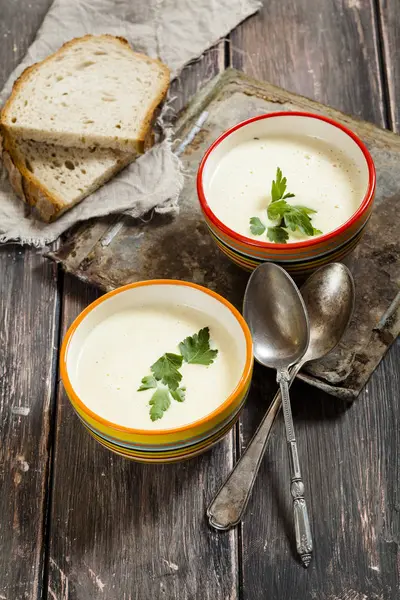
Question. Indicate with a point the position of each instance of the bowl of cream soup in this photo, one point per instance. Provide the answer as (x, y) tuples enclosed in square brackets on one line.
[(158, 371), (293, 188)]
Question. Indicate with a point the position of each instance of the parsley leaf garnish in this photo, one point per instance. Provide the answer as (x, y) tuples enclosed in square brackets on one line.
[(295, 218), (277, 234), (179, 394), (165, 369), (159, 403), (257, 227), (289, 216), (148, 382), (278, 187), (277, 209), (166, 376), (308, 211), (196, 349)]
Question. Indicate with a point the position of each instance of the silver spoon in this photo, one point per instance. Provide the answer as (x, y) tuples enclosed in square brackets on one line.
[(277, 317), (329, 297)]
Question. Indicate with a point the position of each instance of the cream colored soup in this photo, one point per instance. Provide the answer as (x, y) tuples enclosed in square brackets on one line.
[(321, 177), (119, 351)]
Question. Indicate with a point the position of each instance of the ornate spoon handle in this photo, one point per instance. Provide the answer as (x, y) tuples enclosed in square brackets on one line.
[(301, 522), (228, 506)]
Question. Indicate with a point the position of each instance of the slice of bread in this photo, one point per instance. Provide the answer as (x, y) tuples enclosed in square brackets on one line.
[(52, 179), (94, 91)]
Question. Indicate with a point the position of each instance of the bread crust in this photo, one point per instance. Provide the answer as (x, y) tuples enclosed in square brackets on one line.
[(147, 121), (46, 205), (25, 184)]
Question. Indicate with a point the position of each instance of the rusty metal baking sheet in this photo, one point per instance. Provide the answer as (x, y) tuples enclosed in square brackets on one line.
[(115, 251)]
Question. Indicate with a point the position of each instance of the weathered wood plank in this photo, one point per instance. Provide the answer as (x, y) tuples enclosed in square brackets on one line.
[(28, 317), (19, 23), (195, 76), (125, 531), (389, 24), (28, 336), (327, 51), (324, 50)]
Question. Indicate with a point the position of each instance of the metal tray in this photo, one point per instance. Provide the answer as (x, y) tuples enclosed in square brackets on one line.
[(114, 251)]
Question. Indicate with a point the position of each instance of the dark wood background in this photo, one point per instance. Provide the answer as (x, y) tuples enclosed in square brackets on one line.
[(77, 523)]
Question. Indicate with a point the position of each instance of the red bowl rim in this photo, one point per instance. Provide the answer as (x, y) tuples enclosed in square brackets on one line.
[(368, 198)]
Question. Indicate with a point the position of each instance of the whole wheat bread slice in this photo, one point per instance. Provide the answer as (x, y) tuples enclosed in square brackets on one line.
[(52, 179), (94, 91)]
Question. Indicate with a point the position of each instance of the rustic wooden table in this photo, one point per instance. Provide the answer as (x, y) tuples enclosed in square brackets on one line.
[(77, 523)]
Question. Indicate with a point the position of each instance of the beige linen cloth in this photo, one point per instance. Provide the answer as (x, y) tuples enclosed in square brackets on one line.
[(176, 31)]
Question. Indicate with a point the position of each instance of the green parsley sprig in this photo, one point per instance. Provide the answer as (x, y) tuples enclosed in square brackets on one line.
[(289, 217), (195, 350), (166, 377)]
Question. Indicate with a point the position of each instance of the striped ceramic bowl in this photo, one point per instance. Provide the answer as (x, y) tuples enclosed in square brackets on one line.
[(303, 257), (159, 445)]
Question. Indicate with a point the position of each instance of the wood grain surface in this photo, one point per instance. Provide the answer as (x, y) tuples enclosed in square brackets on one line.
[(122, 531), (327, 51), (28, 342), (388, 18)]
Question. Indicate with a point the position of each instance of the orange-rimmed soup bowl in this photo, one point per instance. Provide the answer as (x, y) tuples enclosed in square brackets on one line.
[(318, 155), (110, 347)]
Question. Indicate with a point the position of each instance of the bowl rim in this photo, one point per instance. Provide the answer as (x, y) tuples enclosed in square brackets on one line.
[(246, 371), (368, 197)]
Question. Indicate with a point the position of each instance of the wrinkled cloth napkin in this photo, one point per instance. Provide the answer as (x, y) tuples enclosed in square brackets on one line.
[(176, 31)]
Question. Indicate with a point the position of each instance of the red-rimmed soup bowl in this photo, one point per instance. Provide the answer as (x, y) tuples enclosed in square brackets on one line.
[(327, 167)]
